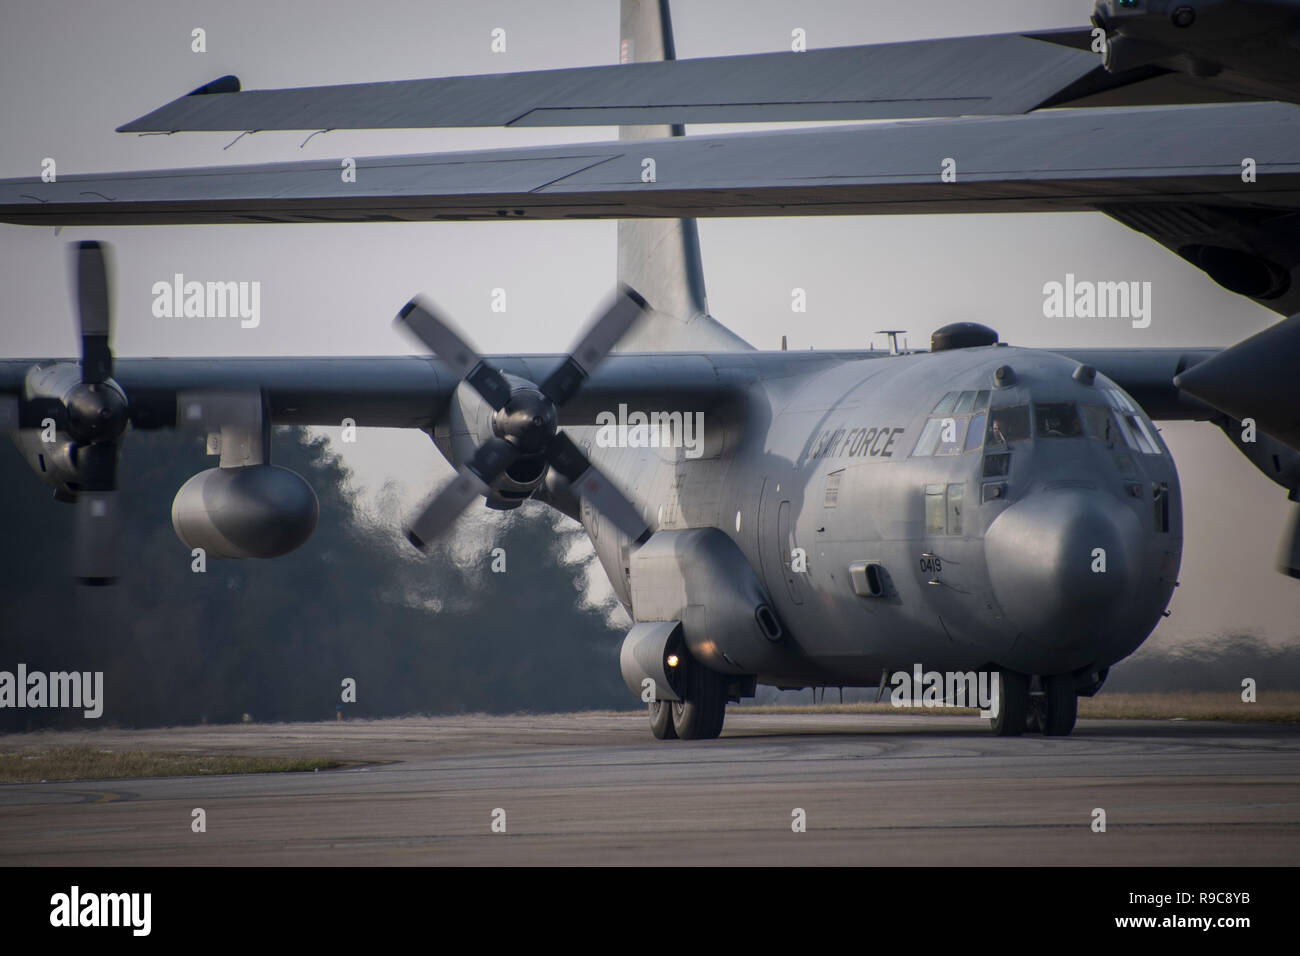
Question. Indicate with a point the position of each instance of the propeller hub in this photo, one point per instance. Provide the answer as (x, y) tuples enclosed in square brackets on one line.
[(96, 412), (527, 420)]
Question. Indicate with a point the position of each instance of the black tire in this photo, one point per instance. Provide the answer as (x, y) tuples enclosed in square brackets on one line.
[(1062, 706), (1013, 705), (701, 714), (1036, 715), (661, 720)]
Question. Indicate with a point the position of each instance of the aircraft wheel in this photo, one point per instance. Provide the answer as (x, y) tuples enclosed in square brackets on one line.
[(700, 715), (1062, 705), (661, 720), (1013, 705), (1036, 714)]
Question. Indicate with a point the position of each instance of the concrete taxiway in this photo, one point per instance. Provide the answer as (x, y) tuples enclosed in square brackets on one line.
[(595, 788)]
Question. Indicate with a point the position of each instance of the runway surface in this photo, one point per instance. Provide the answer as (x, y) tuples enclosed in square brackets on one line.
[(595, 788)]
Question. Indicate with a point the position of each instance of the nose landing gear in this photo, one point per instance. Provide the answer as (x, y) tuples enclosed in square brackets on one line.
[(1056, 707), (1048, 705), (1013, 704)]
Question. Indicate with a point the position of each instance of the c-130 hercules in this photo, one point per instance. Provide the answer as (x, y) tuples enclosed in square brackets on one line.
[(973, 507)]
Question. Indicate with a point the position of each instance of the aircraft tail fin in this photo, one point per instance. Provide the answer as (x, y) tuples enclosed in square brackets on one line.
[(660, 258)]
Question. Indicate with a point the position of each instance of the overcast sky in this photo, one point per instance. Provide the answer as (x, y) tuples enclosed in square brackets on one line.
[(70, 72)]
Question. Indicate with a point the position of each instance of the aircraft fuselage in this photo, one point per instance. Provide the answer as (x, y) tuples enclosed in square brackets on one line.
[(1031, 523)]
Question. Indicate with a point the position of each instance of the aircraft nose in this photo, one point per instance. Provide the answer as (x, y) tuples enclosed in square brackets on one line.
[(1065, 567)]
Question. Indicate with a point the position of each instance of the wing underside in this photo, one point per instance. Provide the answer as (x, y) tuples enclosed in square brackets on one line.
[(1173, 173), (983, 75)]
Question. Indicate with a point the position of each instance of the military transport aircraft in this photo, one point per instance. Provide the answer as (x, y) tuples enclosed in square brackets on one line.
[(836, 514)]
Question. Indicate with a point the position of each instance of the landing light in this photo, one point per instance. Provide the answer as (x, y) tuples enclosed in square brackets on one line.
[(672, 660)]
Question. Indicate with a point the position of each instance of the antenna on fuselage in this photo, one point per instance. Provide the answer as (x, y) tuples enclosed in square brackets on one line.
[(893, 339)]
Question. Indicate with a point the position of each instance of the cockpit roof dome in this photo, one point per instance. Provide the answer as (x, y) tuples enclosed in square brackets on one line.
[(962, 335)]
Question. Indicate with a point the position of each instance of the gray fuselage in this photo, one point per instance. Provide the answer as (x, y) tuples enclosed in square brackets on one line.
[(1034, 526)]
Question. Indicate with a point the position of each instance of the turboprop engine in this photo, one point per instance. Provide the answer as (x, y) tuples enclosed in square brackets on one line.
[(527, 416)]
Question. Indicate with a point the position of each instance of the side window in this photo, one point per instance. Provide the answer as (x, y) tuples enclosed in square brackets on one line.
[(935, 510), (1007, 425), (1160, 498), (954, 508), (943, 508)]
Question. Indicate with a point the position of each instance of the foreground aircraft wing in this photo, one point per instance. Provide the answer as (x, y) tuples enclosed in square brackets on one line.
[(1173, 173), (984, 75), (1007, 73)]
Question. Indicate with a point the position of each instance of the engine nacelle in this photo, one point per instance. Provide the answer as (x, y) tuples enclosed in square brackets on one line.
[(646, 654), (470, 425), (55, 463), (257, 511)]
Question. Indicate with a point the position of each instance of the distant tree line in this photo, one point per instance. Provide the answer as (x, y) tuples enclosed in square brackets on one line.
[(276, 639)]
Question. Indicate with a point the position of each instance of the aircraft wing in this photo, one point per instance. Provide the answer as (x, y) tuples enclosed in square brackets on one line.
[(1173, 173), (413, 392), (999, 74), (1148, 375)]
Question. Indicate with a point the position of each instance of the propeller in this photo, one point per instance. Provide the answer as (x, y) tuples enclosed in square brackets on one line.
[(524, 419), (96, 418), (90, 409)]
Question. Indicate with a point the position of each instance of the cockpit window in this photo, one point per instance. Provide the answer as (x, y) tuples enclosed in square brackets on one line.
[(1121, 422), (1099, 424), (1057, 420), (975, 436), (952, 435), (1137, 435), (944, 407), (1007, 425), (962, 403), (956, 425), (929, 438)]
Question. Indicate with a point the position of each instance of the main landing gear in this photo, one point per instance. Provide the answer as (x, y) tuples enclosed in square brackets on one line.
[(1046, 705), (700, 712)]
